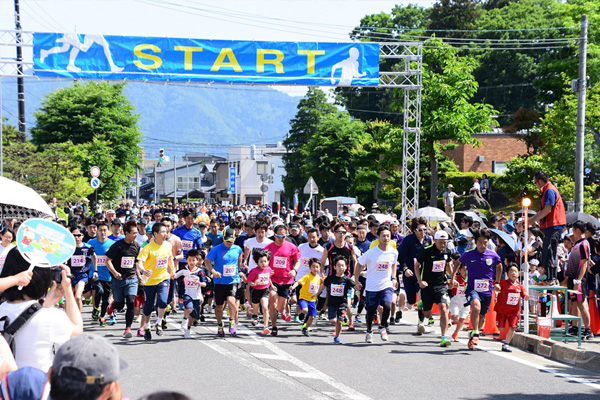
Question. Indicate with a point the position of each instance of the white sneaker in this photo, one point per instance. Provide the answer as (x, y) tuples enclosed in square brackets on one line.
[(383, 333), (184, 323), (420, 329), (369, 337), (187, 334), (138, 319)]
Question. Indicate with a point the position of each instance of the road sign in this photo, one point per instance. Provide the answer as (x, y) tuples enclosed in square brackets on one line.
[(311, 187), (264, 188), (95, 182), (95, 171), (231, 180)]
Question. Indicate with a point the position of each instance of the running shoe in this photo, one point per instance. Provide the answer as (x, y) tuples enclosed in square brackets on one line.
[(420, 329), (506, 348), (127, 334), (345, 321), (232, 330), (369, 337), (305, 332), (431, 322), (102, 323), (455, 337), (445, 342), (173, 310), (351, 327), (254, 320), (286, 317), (187, 334), (138, 319), (587, 334), (398, 316), (168, 309), (220, 331), (88, 301), (147, 334), (184, 323), (337, 340), (475, 339), (383, 333), (358, 318), (159, 330), (266, 331), (112, 320), (392, 321), (140, 332), (201, 319), (297, 319), (274, 331), (375, 319), (164, 324), (95, 314)]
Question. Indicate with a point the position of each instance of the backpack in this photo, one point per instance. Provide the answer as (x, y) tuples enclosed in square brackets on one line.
[(10, 329)]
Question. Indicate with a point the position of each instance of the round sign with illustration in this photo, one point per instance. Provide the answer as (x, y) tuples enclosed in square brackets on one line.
[(44, 243)]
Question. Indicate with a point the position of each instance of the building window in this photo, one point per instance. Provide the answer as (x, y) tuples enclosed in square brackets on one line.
[(262, 168), (499, 167), (182, 182)]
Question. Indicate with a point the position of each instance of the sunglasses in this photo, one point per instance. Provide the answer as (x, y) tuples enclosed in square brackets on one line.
[(340, 232), (78, 234), (280, 236)]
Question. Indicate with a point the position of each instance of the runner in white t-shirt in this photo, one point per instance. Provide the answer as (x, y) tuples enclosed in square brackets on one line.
[(381, 262), (311, 249)]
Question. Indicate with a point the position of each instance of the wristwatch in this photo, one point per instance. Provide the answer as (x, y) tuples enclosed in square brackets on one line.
[(576, 281)]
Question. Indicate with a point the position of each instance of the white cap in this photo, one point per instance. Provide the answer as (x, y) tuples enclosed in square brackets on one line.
[(238, 214), (441, 235), (466, 232)]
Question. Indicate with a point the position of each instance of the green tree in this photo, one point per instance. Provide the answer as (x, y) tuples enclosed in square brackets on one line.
[(311, 110), (446, 111), (83, 112), (327, 155), (457, 15)]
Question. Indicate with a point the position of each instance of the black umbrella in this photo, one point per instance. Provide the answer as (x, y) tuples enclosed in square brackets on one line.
[(580, 216), (529, 211)]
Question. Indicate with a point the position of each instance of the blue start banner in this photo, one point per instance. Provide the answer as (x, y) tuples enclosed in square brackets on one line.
[(136, 58)]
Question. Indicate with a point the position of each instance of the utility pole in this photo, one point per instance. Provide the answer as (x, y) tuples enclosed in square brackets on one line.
[(155, 186), (137, 185), (187, 178), (174, 179), (580, 134), (20, 86)]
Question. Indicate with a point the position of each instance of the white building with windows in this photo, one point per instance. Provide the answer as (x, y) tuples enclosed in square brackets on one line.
[(194, 180), (258, 173)]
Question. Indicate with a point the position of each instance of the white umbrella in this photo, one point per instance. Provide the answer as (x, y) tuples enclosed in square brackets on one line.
[(21, 202), (433, 214)]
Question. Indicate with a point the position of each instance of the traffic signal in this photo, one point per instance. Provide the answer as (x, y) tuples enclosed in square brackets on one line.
[(161, 155)]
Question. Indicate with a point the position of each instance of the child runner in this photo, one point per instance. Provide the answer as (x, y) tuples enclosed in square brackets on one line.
[(259, 281), (192, 280), (80, 263), (459, 309), (338, 286), (310, 286), (509, 304)]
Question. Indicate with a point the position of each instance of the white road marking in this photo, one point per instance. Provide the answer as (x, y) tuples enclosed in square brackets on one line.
[(302, 374), (268, 356)]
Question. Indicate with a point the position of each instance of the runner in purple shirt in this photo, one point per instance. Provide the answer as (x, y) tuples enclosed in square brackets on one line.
[(481, 264)]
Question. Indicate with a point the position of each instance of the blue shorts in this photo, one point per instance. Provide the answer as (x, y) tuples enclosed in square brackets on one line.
[(123, 288), (310, 305), (160, 292), (374, 299), (79, 277), (484, 300), (192, 304)]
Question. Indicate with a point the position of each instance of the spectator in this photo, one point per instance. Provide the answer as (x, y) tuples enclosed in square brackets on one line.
[(49, 327), (449, 197), (485, 187), (476, 189)]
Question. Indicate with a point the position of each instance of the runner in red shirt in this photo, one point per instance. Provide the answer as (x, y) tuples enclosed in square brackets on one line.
[(509, 304), (285, 261)]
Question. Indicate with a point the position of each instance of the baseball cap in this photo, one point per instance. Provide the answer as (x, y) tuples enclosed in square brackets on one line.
[(466, 232), (91, 354), (238, 214), (534, 261), (116, 221), (441, 235), (294, 225), (229, 235), (26, 383), (142, 222)]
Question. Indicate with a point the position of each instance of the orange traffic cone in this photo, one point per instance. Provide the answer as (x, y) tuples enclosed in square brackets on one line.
[(594, 315), (435, 310), (490, 328)]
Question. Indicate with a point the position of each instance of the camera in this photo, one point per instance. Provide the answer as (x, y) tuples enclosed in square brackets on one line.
[(57, 275)]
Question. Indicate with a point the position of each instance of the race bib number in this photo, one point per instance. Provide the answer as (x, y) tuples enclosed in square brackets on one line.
[(280, 262), (192, 282), (187, 244), (162, 262), (460, 291), (102, 261), (482, 285), (229, 270), (313, 287), (263, 279), (439, 266), (401, 280), (127, 262), (304, 261), (78, 261), (382, 266), (513, 299), (2, 259), (337, 290)]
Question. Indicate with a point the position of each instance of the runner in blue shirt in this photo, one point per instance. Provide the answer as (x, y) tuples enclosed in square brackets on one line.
[(191, 238), (214, 234), (102, 287)]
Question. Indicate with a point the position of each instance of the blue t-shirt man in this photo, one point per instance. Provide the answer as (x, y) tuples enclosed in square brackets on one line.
[(101, 249), (190, 239), (225, 261), (216, 239)]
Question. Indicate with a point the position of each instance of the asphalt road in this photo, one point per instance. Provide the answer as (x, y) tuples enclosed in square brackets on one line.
[(291, 366)]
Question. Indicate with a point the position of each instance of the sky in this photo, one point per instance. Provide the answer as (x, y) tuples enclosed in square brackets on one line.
[(274, 20)]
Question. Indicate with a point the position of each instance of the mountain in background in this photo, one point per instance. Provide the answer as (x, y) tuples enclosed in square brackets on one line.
[(182, 118)]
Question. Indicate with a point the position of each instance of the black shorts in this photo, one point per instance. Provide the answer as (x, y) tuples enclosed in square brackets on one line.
[(257, 294), (337, 312), (222, 292), (282, 290), (436, 295), (241, 293)]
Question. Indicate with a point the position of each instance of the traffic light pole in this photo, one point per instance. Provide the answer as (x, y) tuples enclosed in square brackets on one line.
[(580, 127)]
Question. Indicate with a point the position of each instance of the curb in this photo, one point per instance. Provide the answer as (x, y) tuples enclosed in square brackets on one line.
[(559, 351)]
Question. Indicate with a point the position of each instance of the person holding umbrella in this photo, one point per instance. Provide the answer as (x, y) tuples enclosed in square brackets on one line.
[(552, 219)]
